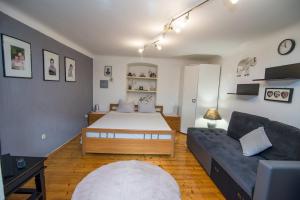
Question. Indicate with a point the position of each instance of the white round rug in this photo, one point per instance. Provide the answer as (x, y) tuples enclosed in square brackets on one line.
[(127, 180)]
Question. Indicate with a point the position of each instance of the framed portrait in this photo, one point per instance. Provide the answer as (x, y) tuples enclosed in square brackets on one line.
[(70, 69), (279, 94), (51, 66), (16, 57), (108, 71)]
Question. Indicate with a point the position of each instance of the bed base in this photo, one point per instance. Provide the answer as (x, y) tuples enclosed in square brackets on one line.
[(127, 146)]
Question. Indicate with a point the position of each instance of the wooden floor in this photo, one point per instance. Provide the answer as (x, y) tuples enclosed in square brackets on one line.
[(66, 167)]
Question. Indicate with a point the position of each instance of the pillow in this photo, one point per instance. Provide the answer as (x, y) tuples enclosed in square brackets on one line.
[(125, 107), (146, 107), (255, 142)]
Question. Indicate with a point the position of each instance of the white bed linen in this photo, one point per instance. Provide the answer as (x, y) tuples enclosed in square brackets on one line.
[(131, 121)]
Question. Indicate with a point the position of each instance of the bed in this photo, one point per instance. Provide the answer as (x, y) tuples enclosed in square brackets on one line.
[(129, 133)]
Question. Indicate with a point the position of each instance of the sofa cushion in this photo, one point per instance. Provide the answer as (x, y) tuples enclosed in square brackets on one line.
[(242, 123), (285, 140), (255, 142), (228, 153)]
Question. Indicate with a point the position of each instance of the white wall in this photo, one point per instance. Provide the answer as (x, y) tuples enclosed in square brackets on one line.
[(265, 49), (168, 84)]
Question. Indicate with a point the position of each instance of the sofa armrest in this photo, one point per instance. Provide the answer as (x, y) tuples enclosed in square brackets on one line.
[(277, 180)]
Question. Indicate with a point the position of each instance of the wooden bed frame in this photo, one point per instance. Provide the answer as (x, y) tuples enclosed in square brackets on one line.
[(128, 146)]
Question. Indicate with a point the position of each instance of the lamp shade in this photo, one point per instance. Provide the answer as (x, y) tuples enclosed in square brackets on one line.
[(212, 114)]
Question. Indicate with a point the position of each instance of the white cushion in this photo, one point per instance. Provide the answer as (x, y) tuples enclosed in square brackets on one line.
[(255, 142), (125, 107), (146, 107)]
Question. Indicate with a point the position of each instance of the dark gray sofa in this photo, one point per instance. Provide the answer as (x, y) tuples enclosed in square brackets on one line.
[(273, 174)]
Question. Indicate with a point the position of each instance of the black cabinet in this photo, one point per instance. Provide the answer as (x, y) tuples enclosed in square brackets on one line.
[(226, 184)]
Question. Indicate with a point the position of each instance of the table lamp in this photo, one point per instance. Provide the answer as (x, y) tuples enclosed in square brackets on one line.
[(212, 115)]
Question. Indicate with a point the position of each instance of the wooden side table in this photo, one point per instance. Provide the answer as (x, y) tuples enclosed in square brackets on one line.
[(34, 168), (173, 121), (94, 116)]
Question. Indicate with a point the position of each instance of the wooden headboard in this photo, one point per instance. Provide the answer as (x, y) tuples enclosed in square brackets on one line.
[(113, 107)]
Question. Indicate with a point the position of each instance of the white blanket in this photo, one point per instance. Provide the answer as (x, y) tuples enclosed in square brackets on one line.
[(132, 121)]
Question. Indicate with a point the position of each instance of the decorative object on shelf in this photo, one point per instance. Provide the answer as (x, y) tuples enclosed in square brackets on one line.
[(279, 94), (285, 72), (103, 83), (152, 74), (51, 66), (108, 71), (129, 87), (146, 99), (212, 115), (133, 74), (16, 57), (142, 75), (243, 68), (286, 46), (141, 88), (247, 89), (129, 74), (96, 108), (70, 70), (152, 89)]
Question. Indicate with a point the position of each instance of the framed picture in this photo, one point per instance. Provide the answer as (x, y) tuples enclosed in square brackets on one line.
[(108, 71), (70, 69), (51, 66), (16, 57), (103, 83), (279, 94)]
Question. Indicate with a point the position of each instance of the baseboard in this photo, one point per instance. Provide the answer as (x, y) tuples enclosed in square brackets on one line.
[(61, 146)]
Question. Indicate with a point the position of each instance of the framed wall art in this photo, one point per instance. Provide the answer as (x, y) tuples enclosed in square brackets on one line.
[(279, 94), (70, 69), (108, 71), (51, 66), (16, 57)]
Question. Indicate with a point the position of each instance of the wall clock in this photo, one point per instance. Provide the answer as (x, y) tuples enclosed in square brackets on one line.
[(286, 46)]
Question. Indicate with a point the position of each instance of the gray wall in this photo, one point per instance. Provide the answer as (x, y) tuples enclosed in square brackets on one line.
[(30, 107)]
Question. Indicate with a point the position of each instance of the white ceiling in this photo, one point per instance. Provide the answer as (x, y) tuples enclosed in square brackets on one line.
[(119, 27)]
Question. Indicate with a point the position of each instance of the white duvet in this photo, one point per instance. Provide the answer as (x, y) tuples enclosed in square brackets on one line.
[(131, 121)]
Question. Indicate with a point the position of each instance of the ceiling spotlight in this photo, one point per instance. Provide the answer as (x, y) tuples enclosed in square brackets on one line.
[(158, 47), (162, 38), (177, 30), (141, 50), (234, 1)]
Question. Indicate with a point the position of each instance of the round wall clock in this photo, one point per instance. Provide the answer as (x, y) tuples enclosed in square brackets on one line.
[(286, 46)]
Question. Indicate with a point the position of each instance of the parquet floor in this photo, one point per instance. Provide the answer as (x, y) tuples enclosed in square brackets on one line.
[(66, 167)]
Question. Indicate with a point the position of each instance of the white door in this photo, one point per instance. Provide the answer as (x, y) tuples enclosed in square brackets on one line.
[(208, 89), (189, 98)]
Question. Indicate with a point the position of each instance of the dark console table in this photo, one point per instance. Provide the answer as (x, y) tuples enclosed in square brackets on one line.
[(34, 168)]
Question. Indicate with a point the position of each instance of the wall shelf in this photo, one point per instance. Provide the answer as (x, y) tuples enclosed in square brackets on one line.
[(141, 78), (282, 73), (243, 94), (246, 89), (141, 91), (276, 79)]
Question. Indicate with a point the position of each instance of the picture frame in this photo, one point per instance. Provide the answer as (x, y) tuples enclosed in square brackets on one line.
[(51, 66), (17, 59), (108, 71), (104, 84), (284, 95), (70, 69)]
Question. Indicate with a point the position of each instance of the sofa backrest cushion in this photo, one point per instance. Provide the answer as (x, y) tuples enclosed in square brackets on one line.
[(285, 140), (242, 123)]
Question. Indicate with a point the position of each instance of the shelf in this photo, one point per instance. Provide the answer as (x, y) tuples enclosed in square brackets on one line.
[(141, 78), (141, 91), (243, 94), (277, 79)]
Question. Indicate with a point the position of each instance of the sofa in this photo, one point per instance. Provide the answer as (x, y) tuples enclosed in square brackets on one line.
[(273, 174)]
